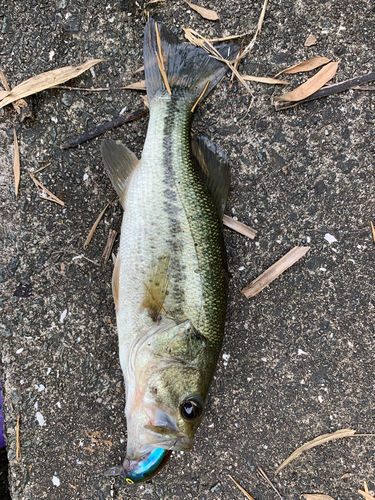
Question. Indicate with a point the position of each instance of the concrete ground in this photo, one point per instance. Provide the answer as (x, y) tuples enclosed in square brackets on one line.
[(298, 359)]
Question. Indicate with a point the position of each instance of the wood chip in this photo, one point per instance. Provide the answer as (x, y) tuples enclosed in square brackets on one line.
[(135, 86), (310, 40), (274, 271), (366, 495), (46, 80), (261, 79), (247, 495), (211, 15), (324, 438), (373, 230), (18, 444), (239, 227), (92, 230), (316, 496), (108, 248), (16, 164), (308, 65), (312, 84)]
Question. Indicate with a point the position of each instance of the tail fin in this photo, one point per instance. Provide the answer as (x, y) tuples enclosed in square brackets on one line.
[(188, 68)]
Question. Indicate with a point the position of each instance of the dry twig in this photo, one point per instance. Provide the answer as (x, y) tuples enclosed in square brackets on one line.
[(108, 248)]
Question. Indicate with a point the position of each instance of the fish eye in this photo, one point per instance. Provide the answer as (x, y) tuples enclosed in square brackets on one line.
[(191, 409)]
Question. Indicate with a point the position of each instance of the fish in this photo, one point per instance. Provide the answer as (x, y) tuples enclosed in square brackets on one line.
[(170, 275)]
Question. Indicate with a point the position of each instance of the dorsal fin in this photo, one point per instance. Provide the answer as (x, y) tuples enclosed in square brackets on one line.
[(212, 163), (119, 163)]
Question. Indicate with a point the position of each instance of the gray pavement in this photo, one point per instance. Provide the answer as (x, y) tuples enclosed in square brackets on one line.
[(298, 359)]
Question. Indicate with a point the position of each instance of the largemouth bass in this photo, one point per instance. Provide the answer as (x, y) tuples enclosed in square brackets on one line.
[(169, 281)]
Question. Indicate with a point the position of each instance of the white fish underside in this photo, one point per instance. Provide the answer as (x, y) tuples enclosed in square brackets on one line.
[(147, 235)]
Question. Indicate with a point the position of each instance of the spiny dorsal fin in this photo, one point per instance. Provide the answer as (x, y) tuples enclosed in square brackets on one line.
[(212, 163), (116, 280), (119, 163), (156, 287)]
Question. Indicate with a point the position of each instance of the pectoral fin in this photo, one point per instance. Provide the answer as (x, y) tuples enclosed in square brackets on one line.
[(119, 163), (212, 163)]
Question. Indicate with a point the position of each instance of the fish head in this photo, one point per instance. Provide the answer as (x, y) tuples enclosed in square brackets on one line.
[(171, 370)]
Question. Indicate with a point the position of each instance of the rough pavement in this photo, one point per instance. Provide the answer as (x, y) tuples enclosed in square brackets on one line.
[(298, 359)]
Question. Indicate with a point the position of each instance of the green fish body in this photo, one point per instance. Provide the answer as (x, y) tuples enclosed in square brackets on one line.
[(169, 281)]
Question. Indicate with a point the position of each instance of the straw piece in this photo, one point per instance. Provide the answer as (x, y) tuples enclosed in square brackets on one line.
[(92, 230), (274, 271), (373, 230), (108, 248), (324, 438), (247, 495), (200, 97), (316, 496), (239, 227), (262, 79), (18, 444), (16, 164)]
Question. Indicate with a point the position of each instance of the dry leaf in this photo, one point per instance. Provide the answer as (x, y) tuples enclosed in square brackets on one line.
[(261, 79), (16, 164), (274, 271), (211, 15), (4, 93), (312, 84), (367, 496), (247, 495), (311, 40), (308, 65), (239, 227), (46, 80), (135, 86), (316, 496), (324, 438), (92, 230)]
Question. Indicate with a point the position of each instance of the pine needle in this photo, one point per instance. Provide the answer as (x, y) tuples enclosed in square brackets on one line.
[(200, 97), (161, 58), (247, 495), (93, 229), (18, 444), (41, 188), (373, 230), (155, 298), (16, 164), (264, 476)]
